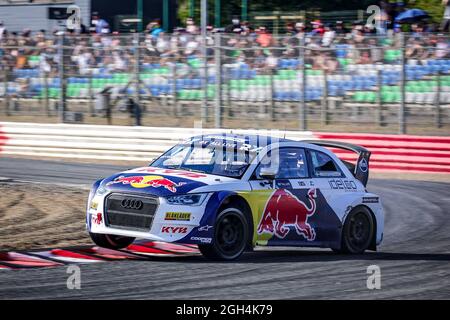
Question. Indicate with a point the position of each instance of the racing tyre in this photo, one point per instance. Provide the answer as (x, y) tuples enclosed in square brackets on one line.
[(358, 231), (231, 234), (111, 241)]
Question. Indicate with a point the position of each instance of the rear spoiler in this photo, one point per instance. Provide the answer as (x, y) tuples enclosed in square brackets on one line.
[(361, 169)]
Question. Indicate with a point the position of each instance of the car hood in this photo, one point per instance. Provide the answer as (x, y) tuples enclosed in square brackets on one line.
[(160, 182)]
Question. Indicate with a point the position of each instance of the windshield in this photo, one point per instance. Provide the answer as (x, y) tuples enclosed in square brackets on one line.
[(210, 157)]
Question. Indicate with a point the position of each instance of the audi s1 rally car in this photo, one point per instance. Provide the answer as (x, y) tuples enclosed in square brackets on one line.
[(230, 193)]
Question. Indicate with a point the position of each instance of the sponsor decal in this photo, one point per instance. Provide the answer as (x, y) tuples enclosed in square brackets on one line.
[(135, 204), (265, 184), (204, 228), (363, 165), (284, 209), (98, 218), (94, 205), (148, 181), (371, 199), (178, 216), (342, 184), (177, 173), (174, 230), (283, 184), (202, 240), (305, 183)]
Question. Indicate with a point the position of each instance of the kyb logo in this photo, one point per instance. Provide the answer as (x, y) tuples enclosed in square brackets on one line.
[(174, 230)]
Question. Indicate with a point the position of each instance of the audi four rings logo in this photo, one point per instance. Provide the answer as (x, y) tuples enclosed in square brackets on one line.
[(132, 204)]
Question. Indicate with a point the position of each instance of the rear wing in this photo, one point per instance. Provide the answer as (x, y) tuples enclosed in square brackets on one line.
[(361, 169)]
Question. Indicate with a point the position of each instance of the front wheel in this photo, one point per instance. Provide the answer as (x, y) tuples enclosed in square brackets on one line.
[(111, 241), (358, 231), (231, 234)]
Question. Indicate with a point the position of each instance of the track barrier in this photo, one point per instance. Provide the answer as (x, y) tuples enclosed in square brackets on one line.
[(391, 153)]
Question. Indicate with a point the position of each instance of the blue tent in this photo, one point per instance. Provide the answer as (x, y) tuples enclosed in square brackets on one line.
[(411, 15)]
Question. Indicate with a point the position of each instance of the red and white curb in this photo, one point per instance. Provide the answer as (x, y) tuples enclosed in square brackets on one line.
[(84, 255), (3, 138), (397, 153)]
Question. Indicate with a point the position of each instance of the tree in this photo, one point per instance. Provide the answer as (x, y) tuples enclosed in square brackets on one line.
[(434, 8)]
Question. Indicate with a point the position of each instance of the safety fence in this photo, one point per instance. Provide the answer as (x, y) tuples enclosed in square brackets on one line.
[(399, 153), (386, 82)]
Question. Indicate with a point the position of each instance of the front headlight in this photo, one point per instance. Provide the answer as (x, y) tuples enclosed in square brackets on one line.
[(187, 199), (101, 191)]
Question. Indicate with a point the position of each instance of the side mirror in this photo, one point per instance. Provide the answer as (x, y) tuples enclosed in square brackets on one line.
[(269, 173)]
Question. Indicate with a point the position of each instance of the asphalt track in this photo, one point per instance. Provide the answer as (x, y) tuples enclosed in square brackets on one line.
[(414, 258)]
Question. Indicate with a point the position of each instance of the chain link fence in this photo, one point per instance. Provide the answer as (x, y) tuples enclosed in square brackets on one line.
[(398, 83)]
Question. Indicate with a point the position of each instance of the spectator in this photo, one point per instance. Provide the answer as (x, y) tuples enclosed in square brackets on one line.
[(99, 26), (415, 49), (318, 29), (376, 53), (328, 36), (340, 28), (154, 28), (2, 30), (365, 58), (264, 38), (442, 48), (300, 29), (290, 29), (191, 27), (446, 20), (234, 27)]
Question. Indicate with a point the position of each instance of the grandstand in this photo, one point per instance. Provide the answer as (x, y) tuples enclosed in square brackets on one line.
[(246, 83), (251, 76)]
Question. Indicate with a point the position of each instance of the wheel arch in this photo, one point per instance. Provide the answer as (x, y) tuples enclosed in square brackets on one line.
[(373, 241), (241, 203)]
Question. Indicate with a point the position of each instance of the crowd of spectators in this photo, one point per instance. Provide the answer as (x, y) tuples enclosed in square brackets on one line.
[(327, 46)]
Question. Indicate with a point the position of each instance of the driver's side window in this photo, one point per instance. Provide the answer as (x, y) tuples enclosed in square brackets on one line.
[(323, 166), (290, 164)]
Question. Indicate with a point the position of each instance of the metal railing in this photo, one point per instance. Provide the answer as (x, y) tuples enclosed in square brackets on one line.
[(392, 83)]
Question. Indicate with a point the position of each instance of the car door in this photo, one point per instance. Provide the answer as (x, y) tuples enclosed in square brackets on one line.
[(285, 205), (332, 188)]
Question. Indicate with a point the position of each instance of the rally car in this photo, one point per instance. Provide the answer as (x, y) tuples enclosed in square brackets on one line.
[(230, 193)]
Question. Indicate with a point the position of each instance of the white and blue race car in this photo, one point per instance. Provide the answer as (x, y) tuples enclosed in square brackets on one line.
[(230, 193)]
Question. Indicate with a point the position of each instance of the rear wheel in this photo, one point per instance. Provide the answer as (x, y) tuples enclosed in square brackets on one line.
[(231, 234), (358, 231), (111, 241)]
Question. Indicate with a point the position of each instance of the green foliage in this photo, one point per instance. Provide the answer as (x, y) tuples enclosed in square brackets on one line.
[(233, 7), (434, 8)]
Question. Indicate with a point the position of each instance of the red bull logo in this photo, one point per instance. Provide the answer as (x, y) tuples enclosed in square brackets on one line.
[(148, 181), (283, 210), (97, 219)]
